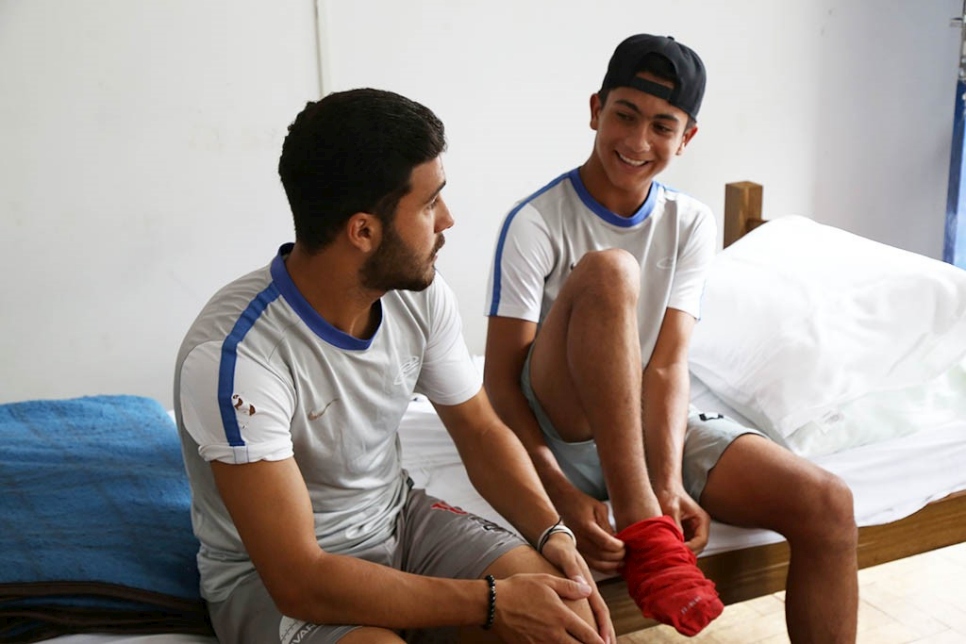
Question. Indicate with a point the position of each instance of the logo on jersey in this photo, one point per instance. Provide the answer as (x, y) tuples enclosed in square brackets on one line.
[(241, 406), (407, 369), (317, 414)]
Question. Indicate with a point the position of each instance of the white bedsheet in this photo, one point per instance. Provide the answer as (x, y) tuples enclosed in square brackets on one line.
[(889, 480)]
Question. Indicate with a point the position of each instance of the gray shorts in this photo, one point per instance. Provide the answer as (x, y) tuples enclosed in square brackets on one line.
[(706, 438), (432, 538)]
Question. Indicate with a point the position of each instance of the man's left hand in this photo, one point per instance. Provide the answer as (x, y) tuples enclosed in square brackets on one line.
[(690, 517)]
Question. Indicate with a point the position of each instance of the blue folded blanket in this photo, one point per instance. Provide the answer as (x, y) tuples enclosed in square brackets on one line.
[(95, 528)]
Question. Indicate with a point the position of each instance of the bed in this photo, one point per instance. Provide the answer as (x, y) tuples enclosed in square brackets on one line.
[(909, 481), (910, 487)]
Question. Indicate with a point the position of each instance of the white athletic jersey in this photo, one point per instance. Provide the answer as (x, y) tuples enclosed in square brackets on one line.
[(672, 235), (262, 376)]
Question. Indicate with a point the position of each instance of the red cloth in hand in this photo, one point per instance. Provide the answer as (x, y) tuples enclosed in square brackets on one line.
[(663, 577)]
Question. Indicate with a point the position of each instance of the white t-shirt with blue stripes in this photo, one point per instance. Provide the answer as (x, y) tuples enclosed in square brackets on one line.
[(673, 236), (261, 376)]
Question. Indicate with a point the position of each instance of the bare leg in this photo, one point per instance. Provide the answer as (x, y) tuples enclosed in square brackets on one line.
[(586, 373), (757, 483)]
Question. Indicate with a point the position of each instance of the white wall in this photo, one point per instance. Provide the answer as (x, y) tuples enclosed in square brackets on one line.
[(138, 146), (842, 109), (139, 140)]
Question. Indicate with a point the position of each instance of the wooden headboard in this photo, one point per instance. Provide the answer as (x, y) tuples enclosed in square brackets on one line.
[(742, 212)]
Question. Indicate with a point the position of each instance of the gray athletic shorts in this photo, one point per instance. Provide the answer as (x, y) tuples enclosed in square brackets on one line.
[(706, 438), (432, 538)]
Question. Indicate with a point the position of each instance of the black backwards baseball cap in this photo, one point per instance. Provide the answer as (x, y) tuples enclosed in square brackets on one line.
[(688, 70)]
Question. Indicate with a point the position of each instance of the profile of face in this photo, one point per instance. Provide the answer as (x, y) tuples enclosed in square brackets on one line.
[(406, 256), (396, 265)]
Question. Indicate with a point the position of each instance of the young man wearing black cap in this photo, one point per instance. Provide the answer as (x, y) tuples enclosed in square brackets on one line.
[(595, 290)]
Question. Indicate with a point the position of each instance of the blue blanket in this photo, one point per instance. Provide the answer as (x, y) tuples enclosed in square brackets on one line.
[(95, 528)]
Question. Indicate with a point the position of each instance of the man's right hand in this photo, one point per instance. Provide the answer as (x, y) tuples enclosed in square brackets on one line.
[(590, 521), (531, 608)]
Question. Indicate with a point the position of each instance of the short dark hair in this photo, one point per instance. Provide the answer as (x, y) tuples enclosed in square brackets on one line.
[(350, 152)]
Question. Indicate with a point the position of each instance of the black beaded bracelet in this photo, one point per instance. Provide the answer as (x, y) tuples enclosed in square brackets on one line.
[(491, 611)]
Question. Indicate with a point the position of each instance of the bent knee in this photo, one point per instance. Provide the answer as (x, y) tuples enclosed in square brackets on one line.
[(610, 263), (522, 559), (611, 271), (837, 496), (525, 559), (829, 512)]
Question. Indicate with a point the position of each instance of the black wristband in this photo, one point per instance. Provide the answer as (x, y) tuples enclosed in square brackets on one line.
[(491, 610)]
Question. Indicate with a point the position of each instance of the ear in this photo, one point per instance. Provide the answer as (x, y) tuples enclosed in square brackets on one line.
[(364, 231), (595, 107), (686, 139)]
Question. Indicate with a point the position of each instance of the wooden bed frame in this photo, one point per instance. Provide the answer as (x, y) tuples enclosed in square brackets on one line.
[(761, 570)]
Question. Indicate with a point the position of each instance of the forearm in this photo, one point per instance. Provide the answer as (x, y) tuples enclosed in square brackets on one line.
[(508, 341), (502, 472), (347, 590), (665, 399), (514, 410), (271, 509)]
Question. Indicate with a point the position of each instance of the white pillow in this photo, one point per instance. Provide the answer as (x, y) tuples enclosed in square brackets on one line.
[(799, 319)]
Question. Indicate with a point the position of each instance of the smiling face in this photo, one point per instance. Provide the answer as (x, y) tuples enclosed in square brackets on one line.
[(637, 136), (406, 256)]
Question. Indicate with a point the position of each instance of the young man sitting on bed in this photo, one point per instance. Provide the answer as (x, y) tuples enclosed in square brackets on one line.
[(289, 389), (595, 289)]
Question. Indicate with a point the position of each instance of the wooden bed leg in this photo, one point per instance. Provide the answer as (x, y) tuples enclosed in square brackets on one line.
[(742, 210)]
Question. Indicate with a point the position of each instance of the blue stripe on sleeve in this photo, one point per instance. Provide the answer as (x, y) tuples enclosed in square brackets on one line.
[(497, 269), (229, 356)]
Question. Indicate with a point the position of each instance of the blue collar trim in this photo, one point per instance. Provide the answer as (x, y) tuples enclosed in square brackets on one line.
[(309, 315), (609, 216)]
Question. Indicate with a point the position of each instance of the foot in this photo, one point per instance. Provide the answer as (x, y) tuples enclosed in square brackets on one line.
[(663, 577)]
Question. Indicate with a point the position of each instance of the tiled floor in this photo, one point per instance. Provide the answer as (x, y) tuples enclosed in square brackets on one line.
[(919, 600)]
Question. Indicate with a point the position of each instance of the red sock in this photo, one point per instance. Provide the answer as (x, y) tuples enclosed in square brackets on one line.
[(663, 577)]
